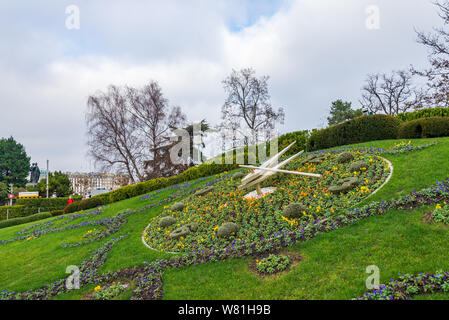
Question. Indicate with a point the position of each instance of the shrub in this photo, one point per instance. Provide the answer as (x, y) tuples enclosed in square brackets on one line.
[(423, 113), (425, 128), (345, 157), (14, 211), (358, 166), (55, 213), (361, 129), (22, 220), (293, 210), (166, 221), (59, 203), (227, 229)]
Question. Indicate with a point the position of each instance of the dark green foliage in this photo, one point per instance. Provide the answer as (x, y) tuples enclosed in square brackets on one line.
[(227, 229), (341, 111), (293, 210), (361, 129), (14, 211), (423, 113), (56, 203), (166, 221), (300, 137), (344, 185), (22, 220), (14, 162), (55, 213), (58, 183), (425, 128), (345, 157), (358, 165), (3, 192)]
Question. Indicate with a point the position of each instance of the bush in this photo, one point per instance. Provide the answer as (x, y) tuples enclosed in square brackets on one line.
[(56, 203), (423, 113), (301, 138), (55, 213), (425, 128), (22, 220), (293, 210), (14, 211), (361, 129)]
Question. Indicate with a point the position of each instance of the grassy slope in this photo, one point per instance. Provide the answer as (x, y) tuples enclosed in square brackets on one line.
[(334, 263), (398, 242), (26, 265)]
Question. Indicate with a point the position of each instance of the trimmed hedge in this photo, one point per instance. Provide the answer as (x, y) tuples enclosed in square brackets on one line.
[(126, 192), (59, 203), (424, 113), (425, 128), (22, 220), (361, 129), (301, 138), (14, 211)]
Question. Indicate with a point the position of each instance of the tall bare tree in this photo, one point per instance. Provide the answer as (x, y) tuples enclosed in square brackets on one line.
[(156, 120), (248, 100), (391, 93), (113, 133), (438, 74)]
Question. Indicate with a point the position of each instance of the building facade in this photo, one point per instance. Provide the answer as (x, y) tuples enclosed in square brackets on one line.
[(86, 183)]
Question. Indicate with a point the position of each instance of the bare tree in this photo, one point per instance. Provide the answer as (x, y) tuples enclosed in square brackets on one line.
[(248, 100), (156, 120), (114, 140), (438, 74), (391, 94)]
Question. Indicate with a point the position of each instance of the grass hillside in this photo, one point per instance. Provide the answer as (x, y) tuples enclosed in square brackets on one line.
[(331, 266)]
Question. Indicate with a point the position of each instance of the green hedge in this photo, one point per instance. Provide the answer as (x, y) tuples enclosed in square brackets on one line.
[(60, 203), (31, 218), (301, 138), (14, 211), (424, 113), (361, 129), (425, 128), (126, 192)]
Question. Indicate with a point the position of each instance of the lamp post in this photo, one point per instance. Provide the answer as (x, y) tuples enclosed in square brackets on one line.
[(47, 178)]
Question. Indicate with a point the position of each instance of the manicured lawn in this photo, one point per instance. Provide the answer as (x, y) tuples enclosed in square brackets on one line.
[(333, 265)]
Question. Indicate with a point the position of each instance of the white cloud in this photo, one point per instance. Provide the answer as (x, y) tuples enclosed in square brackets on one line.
[(314, 51)]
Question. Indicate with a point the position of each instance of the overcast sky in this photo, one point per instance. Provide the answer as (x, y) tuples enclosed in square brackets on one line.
[(315, 51)]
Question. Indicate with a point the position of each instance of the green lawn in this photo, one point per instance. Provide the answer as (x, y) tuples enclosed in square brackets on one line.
[(333, 265)]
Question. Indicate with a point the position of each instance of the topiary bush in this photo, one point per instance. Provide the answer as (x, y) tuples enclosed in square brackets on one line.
[(345, 157), (425, 128), (166, 221), (358, 166), (344, 185), (293, 210), (227, 229), (204, 191), (361, 129)]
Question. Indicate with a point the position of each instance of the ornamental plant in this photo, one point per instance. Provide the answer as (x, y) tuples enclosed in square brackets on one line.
[(108, 293), (441, 213), (273, 264)]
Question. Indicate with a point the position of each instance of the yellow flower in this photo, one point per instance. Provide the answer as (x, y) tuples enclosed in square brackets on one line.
[(97, 288), (438, 206)]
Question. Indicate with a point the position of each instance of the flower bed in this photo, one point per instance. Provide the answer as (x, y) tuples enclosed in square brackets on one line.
[(272, 264), (441, 213), (263, 218)]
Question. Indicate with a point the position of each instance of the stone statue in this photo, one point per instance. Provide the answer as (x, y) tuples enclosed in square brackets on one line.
[(35, 173)]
